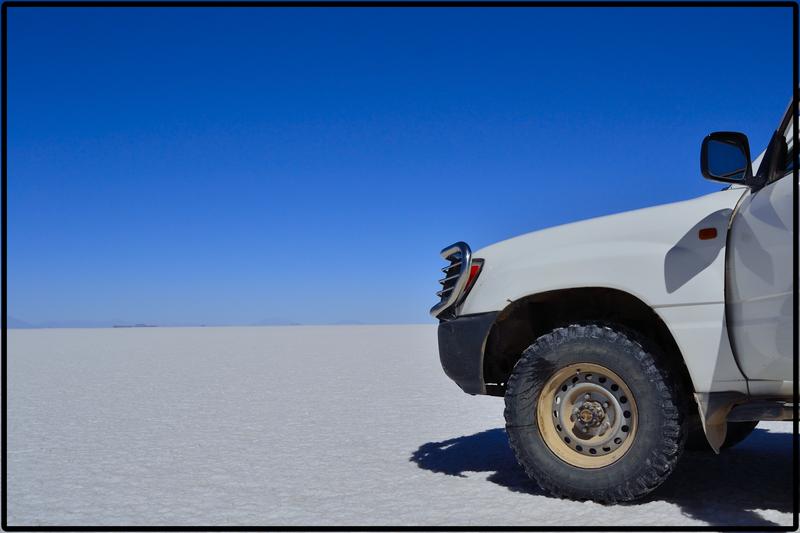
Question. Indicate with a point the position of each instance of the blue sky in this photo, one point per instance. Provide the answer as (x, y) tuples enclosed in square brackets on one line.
[(232, 166)]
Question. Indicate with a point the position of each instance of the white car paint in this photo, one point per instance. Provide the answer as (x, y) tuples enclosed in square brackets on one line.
[(654, 254), (695, 285)]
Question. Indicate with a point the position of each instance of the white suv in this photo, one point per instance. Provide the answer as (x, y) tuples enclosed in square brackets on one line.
[(616, 339)]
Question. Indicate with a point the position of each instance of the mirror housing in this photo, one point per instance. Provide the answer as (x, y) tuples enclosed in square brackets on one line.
[(725, 157)]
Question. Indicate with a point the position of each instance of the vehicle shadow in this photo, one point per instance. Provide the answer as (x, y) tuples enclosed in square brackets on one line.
[(719, 490)]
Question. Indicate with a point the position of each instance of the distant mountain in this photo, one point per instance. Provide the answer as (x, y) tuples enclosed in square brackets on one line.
[(18, 324), (15, 323), (275, 322), (75, 324)]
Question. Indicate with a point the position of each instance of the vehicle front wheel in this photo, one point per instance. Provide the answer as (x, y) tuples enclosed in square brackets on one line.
[(591, 414)]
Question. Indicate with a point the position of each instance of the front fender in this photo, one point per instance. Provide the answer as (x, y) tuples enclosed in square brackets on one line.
[(655, 254)]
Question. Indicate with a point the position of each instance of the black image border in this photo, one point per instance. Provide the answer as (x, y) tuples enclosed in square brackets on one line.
[(598, 4)]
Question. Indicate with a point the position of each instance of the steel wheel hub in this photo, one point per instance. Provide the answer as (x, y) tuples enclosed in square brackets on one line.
[(587, 415)]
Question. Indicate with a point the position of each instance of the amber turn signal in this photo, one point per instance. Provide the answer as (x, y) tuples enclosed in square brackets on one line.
[(708, 233)]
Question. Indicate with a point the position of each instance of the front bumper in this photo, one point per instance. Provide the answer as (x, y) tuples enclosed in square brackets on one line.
[(461, 344)]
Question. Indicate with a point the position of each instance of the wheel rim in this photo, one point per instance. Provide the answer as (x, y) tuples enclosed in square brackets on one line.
[(587, 415)]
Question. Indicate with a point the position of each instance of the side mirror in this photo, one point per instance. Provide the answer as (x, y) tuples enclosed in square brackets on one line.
[(725, 156)]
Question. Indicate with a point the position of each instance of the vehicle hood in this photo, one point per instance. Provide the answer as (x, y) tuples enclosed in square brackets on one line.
[(643, 223), (639, 251)]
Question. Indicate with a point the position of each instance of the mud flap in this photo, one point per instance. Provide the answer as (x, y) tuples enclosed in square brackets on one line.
[(714, 408)]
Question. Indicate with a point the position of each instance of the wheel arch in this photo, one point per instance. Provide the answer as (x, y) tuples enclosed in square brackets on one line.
[(524, 320)]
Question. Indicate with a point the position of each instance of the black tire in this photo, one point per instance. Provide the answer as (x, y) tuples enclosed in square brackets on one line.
[(659, 438), (736, 433)]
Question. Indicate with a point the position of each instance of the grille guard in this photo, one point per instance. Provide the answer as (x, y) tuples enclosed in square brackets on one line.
[(454, 281)]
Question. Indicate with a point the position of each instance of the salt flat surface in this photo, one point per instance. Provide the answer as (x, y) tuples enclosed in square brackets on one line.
[(317, 425)]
